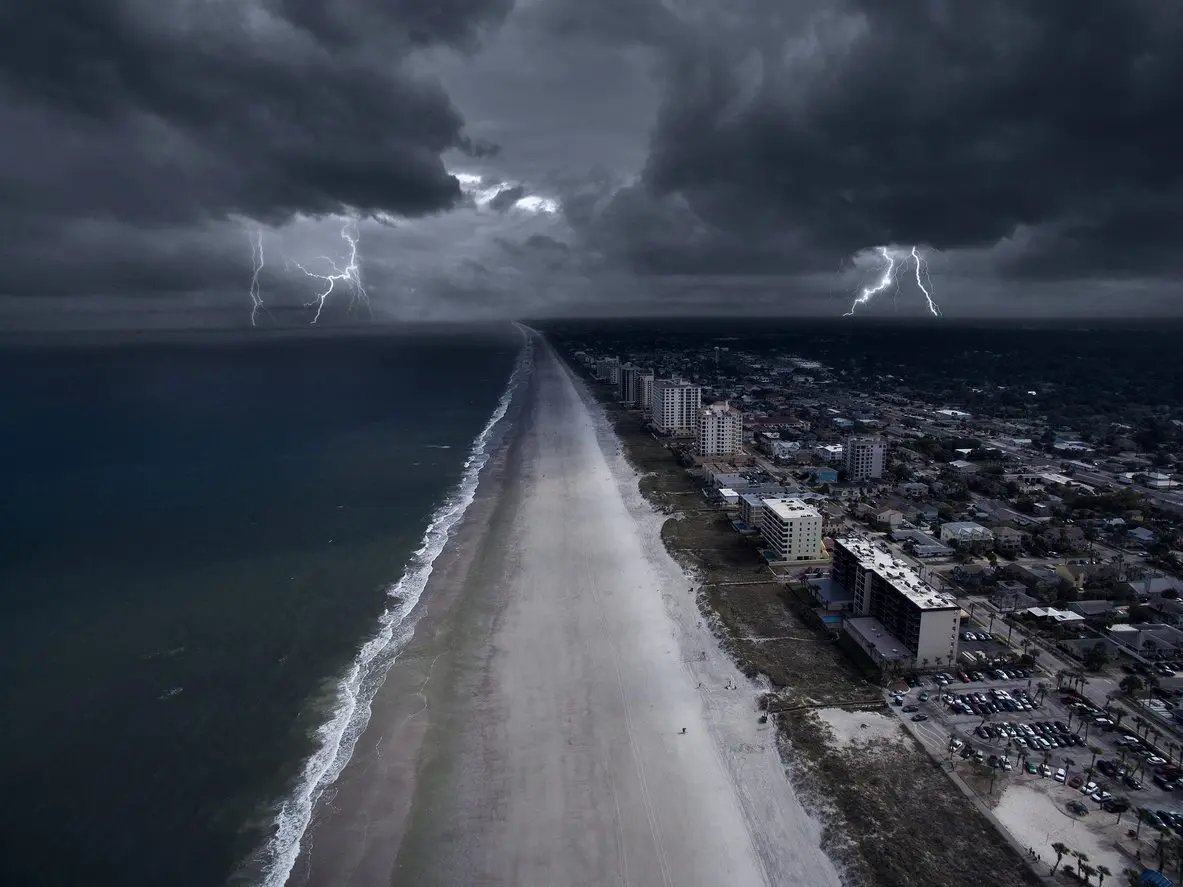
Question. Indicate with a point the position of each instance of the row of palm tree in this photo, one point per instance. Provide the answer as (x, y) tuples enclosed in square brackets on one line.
[(1084, 871)]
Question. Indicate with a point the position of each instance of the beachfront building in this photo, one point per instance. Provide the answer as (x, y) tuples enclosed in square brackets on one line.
[(792, 528), (645, 389), (720, 430), (675, 406), (897, 616), (865, 458), (608, 370), (751, 510), (630, 384)]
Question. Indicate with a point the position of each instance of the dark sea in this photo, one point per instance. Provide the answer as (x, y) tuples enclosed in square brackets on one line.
[(201, 548)]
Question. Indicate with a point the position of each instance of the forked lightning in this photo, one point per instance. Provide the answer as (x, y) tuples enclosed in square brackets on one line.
[(894, 262), (350, 274)]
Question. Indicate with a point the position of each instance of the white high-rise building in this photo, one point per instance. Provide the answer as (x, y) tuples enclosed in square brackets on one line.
[(720, 430), (865, 458), (675, 406), (792, 528)]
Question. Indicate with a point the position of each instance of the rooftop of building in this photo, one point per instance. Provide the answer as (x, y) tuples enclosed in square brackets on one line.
[(879, 558), (875, 634), (787, 509), (720, 409)]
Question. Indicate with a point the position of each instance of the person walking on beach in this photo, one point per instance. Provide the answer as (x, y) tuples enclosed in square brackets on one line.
[(683, 733)]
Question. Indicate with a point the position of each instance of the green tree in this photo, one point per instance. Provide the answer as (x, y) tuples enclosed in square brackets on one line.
[(1131, 685), (1096, 657)]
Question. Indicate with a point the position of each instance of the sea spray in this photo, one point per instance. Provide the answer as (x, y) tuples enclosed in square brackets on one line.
[(355, 691)]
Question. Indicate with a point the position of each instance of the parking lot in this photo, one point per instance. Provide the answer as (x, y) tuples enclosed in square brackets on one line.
[(989, 644), (1056, 744)]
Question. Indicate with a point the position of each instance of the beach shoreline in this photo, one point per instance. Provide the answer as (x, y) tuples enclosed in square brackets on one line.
[(358, 826), (531, 733)]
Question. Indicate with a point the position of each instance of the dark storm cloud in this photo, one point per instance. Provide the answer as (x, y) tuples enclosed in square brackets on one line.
[(144, 110), (424, 22), (949, 123)]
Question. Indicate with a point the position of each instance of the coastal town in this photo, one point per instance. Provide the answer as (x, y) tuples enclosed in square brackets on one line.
[(953, 617)]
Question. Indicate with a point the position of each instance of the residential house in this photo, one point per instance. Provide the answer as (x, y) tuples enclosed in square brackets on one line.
[(1008, 540), (966, 533), (1093, 610)]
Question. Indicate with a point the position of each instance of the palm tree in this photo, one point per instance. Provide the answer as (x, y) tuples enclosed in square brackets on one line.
[(1089, 871), (1040, 691), (1138, 722), (1059, 849), (1102, 873), (1094, 751), (1172, 747), (1081, 859)]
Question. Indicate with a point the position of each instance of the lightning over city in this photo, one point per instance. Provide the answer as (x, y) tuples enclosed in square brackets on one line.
[(932, 306), (889, 278), (349, 274), (869, 292)]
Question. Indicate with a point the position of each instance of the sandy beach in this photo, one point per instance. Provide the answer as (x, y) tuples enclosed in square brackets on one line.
[(533, 736)]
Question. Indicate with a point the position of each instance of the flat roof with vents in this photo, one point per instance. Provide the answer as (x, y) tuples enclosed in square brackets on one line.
[(878, 558)]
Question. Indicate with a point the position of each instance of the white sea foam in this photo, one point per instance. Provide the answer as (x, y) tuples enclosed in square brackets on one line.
[(336, 739)]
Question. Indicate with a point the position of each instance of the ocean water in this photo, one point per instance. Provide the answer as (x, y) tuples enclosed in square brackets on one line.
[(201, 547)]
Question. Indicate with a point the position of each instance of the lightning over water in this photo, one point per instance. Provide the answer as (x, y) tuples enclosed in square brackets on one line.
[(349, 274), (895, 261), (257, 260)]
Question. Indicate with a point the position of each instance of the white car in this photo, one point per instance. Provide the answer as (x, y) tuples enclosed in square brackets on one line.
[(1089, 788), (1102, 797), (1061, 775)]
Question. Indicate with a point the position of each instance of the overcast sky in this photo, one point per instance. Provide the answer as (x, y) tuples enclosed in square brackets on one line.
[(602, 157)]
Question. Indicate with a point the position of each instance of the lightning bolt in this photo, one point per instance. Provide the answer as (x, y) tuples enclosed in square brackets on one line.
[(897, 262), (350, 275), (257, 261), (932, 306), (869, 292)]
